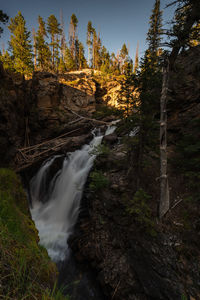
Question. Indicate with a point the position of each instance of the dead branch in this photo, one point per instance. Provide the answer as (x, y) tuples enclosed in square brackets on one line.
[(89, 119), (46, 142), (176, 204), (115, 290)]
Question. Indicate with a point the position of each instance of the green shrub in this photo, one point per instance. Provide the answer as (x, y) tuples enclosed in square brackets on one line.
[(187, 159), (138, 208), (98, 181), (105, 111), (101, 150)]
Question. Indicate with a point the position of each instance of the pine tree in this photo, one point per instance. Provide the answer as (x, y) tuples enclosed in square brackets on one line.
[(136, 65), (96, 48), (43, 51), (63, 39), (34, 48), (82, 62), (3, 19), (155, 31), (123, 58), (148, 82), (181, 17), (53, 28), (105, 60), (20, 45), (89, 42), (126, 98), (68, 60), (73, 38), (7, 61), (194, 38)]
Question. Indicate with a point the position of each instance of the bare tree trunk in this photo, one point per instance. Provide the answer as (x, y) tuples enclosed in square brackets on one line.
[(164, 187), (34, 48)]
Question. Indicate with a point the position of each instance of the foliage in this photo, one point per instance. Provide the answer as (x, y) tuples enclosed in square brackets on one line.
[(126, 97), (194, 38), (7, 61), (20, 45), (53, 28), (101, 150), (148, 83), (139, 209), (136, 65), (185, 27), (103, 111), (69, 61), (155, 30), (25, 268), (73, 40), (3, 19), (82, 62), (43, 51), (98, 181), (187, 158)]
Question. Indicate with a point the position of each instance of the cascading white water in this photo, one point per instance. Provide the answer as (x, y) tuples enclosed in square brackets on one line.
[(55, 218)]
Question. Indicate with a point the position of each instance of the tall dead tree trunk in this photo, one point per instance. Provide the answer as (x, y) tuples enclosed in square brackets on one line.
[(181, 38), (164, 186), (34, 48)]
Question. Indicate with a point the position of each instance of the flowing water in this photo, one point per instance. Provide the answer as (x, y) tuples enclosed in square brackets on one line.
[(56, 216)]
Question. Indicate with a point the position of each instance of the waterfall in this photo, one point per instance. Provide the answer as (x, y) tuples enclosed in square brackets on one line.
[(55, 217)]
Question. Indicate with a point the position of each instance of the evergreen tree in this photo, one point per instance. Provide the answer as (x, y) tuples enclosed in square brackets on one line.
[(126, 98), (7, 61), (82, 62), (43, 51), (89, 42), (155, 31), (34, 49), (20, 45), (194, 38), (136, 65), (184, 14), (63, 39), (148, 82), (123, 58), (73, 43), (115, 64), (53, 28), (96, 48), (68, 60), (61, 65), (105, 60), (3, 19)]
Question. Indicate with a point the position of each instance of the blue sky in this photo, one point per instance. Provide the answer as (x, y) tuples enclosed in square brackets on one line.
[(119, 21)]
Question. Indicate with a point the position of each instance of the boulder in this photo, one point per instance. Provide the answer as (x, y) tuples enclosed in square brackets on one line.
[(110, 139)]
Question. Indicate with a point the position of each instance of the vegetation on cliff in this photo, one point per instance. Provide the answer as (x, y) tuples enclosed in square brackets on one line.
[(26, 271)]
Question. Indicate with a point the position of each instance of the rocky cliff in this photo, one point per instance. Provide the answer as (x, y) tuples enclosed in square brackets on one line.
[(45, 106)]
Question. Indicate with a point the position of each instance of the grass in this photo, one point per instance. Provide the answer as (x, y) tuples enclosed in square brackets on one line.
[(26, 271)]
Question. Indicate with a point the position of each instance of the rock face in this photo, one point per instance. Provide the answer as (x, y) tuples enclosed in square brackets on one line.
[(130, 264), (13, 113), (40, 108), (184, 97)]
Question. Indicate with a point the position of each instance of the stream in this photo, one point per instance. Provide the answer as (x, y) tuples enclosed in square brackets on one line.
[(55, 207)]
